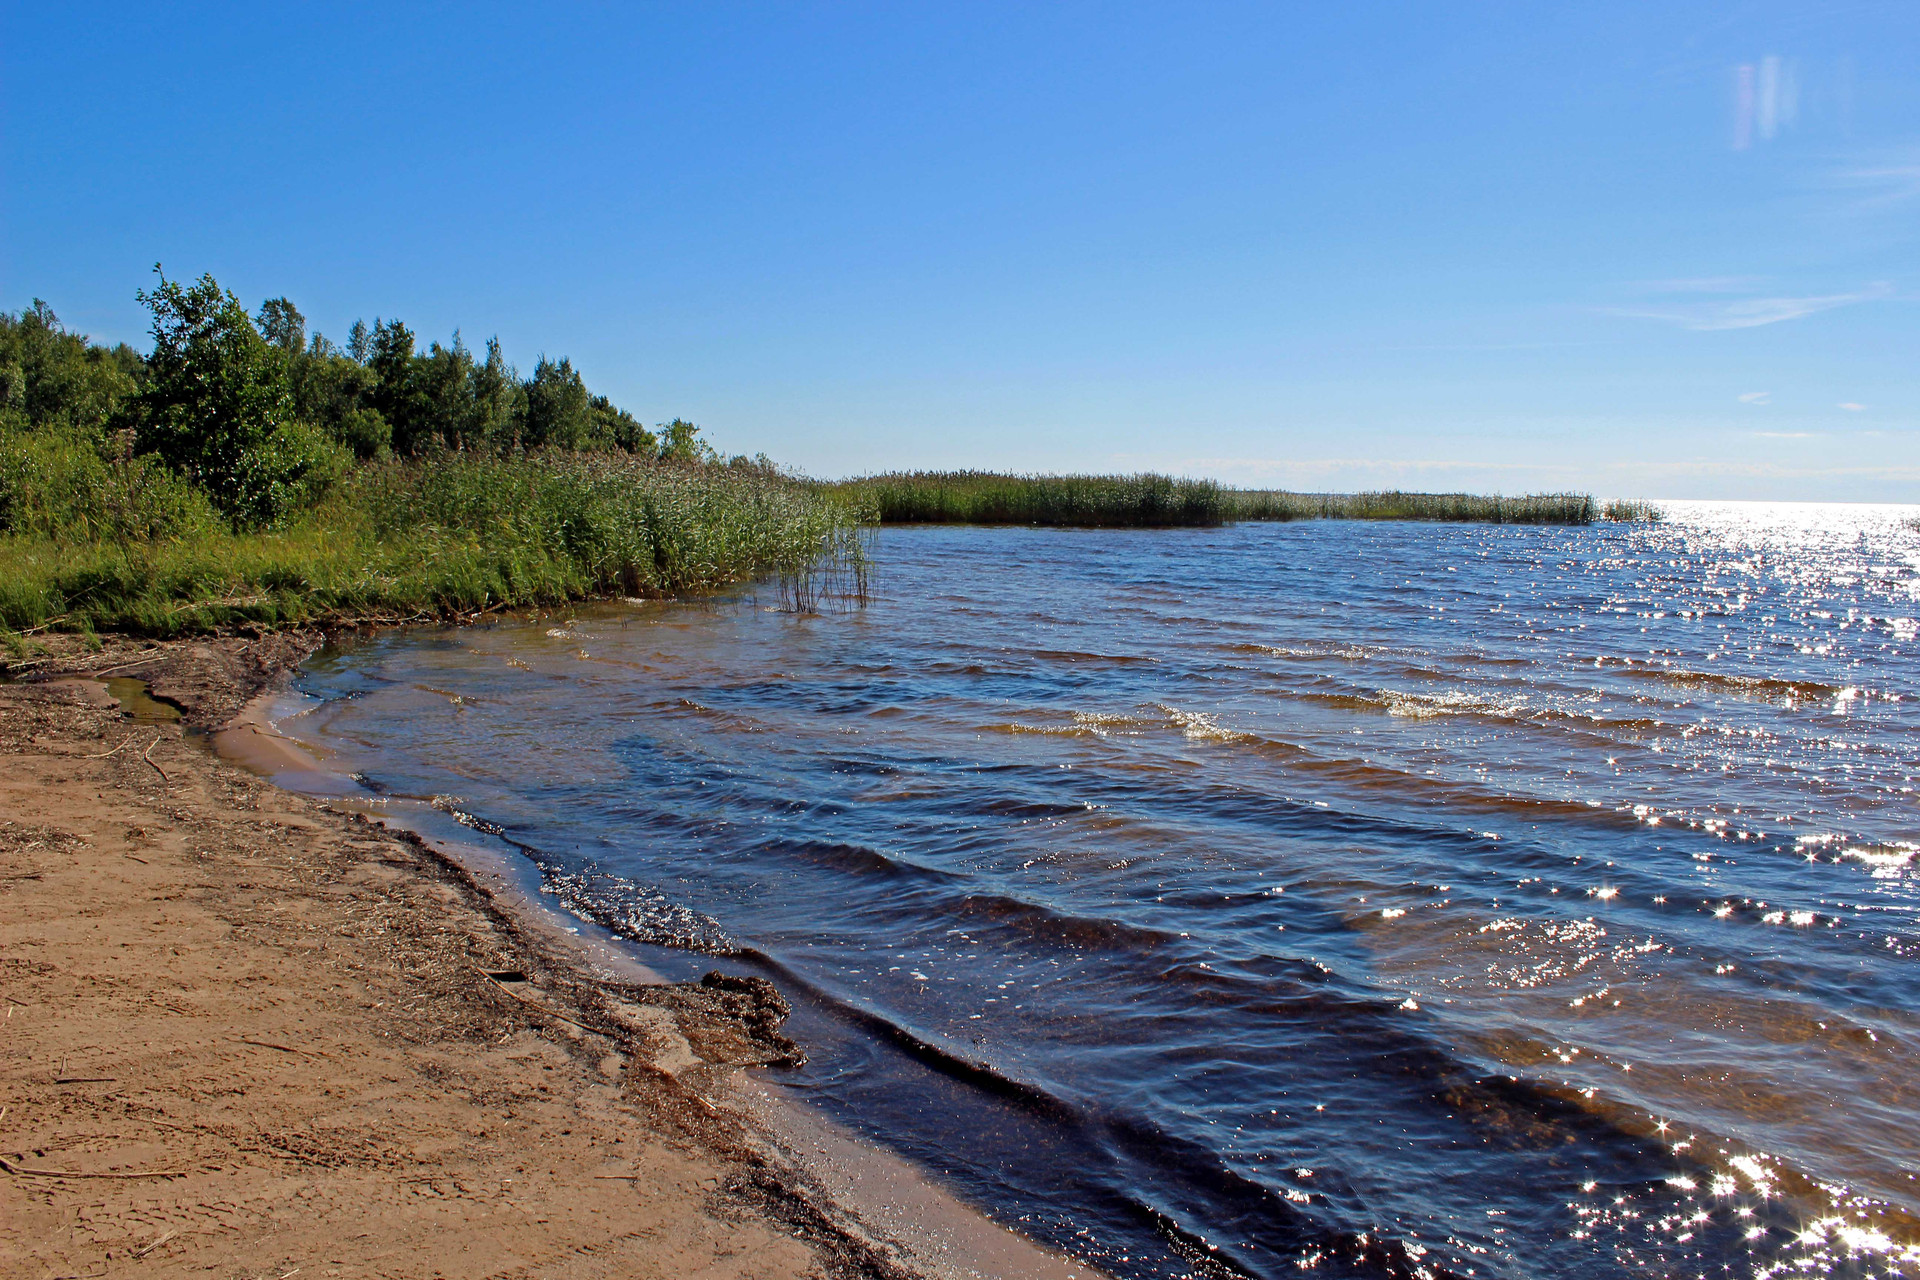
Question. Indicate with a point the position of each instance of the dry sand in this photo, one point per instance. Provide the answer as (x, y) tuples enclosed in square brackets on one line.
[(245, 1034)]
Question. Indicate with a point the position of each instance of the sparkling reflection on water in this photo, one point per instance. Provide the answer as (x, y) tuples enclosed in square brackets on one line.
[(1375, 898)]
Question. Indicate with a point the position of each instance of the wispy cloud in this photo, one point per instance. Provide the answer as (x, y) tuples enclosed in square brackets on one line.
[(1851, 406), (1754, 397), (1788, 435), (1751, 313), (1701, 284), (1890, 180)]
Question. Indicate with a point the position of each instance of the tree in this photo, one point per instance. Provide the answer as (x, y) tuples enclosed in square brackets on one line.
[(398, 392), (217, 407), (283, 326), (615, 428), (51, 378), (499, 401), (559, 410), (680, 442)]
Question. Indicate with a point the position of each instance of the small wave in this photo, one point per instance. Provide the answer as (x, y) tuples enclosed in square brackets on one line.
[(641, 913), (859, 859), (1199, 726), (1349, 653), (1071, 655), (1423, 706), (450, 805), (1042, 730), (1765, 688)]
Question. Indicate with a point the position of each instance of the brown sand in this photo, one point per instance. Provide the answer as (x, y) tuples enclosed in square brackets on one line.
[(247, 1035)]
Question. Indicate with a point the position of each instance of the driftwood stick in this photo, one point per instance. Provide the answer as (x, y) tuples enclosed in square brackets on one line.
[(138, 662), (268, 1044), (540, 1008), (22, 1171), (148, 757), (104, 754)]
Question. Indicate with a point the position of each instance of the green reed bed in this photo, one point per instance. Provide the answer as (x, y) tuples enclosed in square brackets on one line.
[(446, 536), (985, 497), (1632, 511), (1392, 504)]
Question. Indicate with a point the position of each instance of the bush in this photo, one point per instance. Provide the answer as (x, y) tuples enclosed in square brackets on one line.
[(218, 407), (62, 484)]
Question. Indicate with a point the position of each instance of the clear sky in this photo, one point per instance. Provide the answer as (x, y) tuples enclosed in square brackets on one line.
[(1641, 249)]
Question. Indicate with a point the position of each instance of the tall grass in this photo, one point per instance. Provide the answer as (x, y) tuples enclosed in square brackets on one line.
[(1392, 504), (1632, 511), (446, 536), (985, 497)]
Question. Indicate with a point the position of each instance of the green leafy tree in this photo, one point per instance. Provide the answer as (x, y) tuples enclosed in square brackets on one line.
[(559, 410), (615, 428), (282, 325), (399, 393), (680, 442), (53, 379), (218, 408)]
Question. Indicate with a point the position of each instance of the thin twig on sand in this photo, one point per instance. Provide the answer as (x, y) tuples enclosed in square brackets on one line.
[(148, 757), (20, 1170)]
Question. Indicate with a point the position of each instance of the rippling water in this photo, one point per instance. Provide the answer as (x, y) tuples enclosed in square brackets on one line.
[(1384, 898)]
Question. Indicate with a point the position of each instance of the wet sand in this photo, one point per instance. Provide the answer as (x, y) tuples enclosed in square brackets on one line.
[(250, 1033)]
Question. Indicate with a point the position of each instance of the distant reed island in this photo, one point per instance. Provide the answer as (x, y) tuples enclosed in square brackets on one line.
[(243, 473), (984, 497)]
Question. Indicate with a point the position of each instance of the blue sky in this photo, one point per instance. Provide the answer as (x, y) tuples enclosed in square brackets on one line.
[(1641, 249)]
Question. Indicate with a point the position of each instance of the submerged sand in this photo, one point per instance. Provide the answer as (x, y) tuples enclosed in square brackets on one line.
[(247, 1034)]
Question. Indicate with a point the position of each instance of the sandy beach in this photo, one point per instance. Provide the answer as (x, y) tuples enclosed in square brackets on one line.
[(249, 1034)]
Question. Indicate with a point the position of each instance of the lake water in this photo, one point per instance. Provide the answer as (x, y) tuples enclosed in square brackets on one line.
[(1369, 898)]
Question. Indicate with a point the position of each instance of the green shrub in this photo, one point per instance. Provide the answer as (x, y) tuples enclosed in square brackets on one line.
[(62, 484), (218, 407)]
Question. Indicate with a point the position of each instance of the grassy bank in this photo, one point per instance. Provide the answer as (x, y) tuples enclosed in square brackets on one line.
[(242, 473), (979, 497), (447, 536)]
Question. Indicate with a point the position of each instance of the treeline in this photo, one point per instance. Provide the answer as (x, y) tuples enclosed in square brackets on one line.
[(259, 416)]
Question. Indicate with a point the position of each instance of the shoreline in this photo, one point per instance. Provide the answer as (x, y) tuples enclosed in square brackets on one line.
[(339, 1021)]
